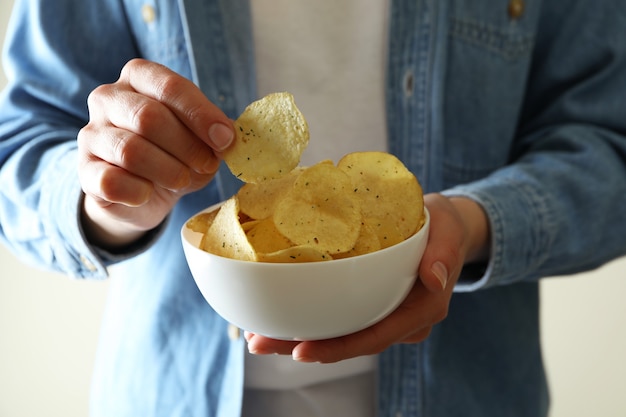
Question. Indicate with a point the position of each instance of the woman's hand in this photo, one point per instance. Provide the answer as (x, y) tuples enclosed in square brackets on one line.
[(152, 137), (459, 233)]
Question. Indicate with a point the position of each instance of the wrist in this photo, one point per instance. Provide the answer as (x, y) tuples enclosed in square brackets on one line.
[(105, 232), (477, 232)]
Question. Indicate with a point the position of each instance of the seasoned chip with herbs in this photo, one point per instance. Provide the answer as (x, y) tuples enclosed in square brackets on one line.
[(389, 191), (226, 237), (321, 210), (271, 136)]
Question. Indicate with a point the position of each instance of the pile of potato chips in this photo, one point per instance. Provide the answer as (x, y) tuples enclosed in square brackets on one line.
[(285, 213)]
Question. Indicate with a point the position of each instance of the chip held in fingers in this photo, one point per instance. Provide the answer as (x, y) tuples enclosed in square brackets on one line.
[(271, 135)]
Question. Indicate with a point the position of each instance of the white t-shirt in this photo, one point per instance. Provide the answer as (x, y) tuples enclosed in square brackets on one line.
[(331, 56)]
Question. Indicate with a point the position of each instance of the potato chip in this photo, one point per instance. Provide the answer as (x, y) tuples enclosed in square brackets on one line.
[(201, 222), (388, 189), (271, 136), (386, 231), (248, 225), (367, 242), (295, 254), (321, 210), (259, 200), (265, 237), (226, 237)]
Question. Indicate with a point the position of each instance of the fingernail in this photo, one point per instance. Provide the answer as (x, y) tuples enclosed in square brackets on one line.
[(221, 136), (254, 350), (441, 272), (303, 359)]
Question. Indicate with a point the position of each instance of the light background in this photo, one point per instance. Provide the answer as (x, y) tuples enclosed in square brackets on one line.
[(49, 328)]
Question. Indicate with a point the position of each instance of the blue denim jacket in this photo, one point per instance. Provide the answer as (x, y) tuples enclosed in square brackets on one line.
[(522, 112)]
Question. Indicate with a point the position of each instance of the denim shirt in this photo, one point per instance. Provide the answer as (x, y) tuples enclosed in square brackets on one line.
[(518, 106)]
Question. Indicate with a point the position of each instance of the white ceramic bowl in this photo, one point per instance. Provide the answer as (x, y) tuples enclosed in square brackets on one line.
[(306, 301)]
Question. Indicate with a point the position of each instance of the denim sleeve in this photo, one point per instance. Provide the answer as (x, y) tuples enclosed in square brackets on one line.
[(558, 207), (54, 55)]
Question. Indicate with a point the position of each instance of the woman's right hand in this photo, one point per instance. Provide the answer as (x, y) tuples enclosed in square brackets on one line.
[(152, 137)]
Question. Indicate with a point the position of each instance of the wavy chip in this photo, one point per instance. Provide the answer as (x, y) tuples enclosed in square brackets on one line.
[(225, 237), (387, 188), (258, 201), (321, 210), (265, 237), (271, 133)]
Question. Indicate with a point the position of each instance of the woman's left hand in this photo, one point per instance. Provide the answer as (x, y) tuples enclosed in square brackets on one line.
[(458, 233)]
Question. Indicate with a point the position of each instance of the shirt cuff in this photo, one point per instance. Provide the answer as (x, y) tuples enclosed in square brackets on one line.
[(475, 275), (518, 215), (62, 200)]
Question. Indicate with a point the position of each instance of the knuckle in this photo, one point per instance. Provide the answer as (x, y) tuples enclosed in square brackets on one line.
[(143, 116), (81, 137), (195, 114), (97, 96), (85, 144), (127, 150), (140, 115), (131, 67), (168, 87)]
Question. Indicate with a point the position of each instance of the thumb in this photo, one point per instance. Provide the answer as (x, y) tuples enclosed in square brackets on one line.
[(443, 257), (435, 278)]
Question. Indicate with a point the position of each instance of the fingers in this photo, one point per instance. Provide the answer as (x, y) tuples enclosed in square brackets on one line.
[(183, 98), (152, 126), (114, 106), (137, 156), (151, 138), (411, 322), (113, 185), (260, 345)]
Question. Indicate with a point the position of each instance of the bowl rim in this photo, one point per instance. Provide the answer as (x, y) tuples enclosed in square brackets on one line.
[(417, 235)]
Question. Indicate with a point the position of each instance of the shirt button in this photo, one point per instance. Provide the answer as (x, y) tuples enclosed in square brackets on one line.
[(233, 332), (516, 9), (148, 13), (87, 263)]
